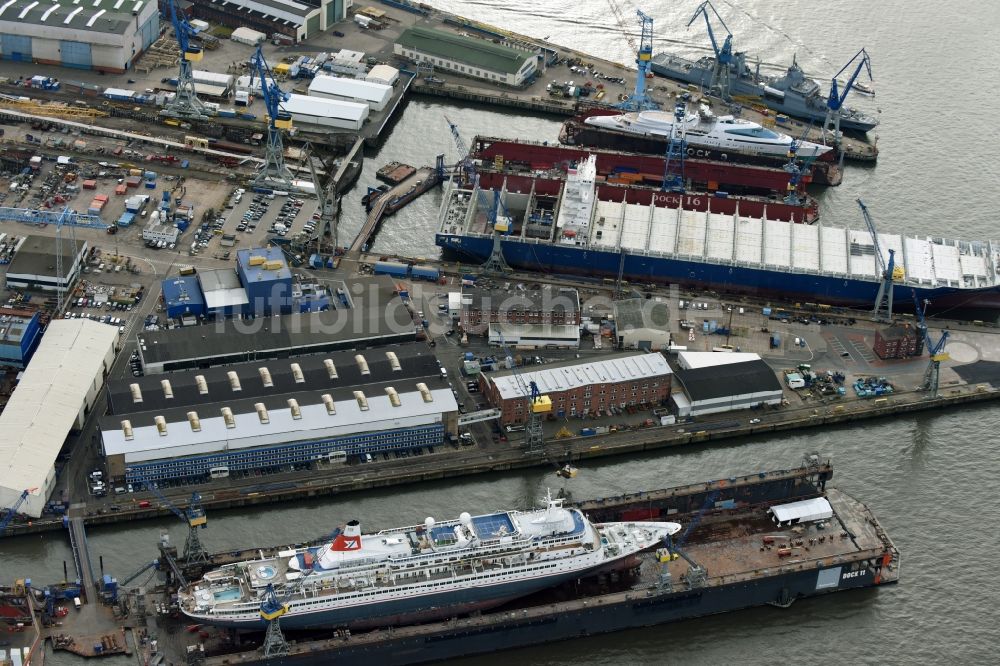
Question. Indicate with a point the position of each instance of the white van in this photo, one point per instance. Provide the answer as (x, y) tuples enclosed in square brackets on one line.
[(444, 374), (77, 604)]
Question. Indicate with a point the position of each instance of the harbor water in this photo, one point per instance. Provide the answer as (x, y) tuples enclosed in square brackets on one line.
[(930, 478)]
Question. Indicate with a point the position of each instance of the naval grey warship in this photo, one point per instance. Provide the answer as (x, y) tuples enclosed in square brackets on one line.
[(793, 93)]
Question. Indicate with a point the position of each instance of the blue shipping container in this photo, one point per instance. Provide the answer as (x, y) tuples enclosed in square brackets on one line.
[(391, 268)]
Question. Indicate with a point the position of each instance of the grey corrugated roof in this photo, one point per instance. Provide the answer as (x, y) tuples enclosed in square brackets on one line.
[(104, 16), (719, 381), (416, 361), (37, 255), (475, 52), (379, 313), (562, 299)]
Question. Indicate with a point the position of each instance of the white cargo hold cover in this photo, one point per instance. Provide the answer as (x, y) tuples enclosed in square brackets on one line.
[(805, 511)]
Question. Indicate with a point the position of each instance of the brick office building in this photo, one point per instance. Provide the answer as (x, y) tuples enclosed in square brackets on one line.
[(583, 388)]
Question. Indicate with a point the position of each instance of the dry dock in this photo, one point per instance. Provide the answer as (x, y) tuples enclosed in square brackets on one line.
[(734, 557)]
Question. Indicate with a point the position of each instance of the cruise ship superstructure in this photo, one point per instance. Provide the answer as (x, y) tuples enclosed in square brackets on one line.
[(420, 572)]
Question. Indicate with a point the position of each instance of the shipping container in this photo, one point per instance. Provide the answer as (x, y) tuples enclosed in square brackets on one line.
[(424, 272), (391, 268)]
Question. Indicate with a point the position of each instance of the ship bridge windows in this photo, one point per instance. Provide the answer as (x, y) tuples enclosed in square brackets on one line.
[(755, 133)]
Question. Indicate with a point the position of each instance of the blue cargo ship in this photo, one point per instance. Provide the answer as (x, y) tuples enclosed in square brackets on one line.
[(722, 244)]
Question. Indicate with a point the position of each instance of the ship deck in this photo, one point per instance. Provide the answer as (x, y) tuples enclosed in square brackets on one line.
[(755, 547), (742, 240)]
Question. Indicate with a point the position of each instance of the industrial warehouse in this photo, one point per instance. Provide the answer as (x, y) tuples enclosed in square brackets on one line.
[(104, 35), (576, 389), (35, 266), (58, 390), (458, 54), (209, 423), (714, 382), (366, 312), (20, 333), (298, 20)]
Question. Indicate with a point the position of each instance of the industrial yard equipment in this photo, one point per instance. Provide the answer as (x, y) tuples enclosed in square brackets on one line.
[(185, 103), (273, 172)]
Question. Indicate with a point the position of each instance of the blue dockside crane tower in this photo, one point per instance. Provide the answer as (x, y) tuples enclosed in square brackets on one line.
[(723, 54), (835, 102), (640, 99), (185, 103)]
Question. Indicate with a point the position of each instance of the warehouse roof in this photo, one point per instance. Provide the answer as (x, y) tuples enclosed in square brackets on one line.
[(475, 52), (47, 402), (222, 288), (546, 298), (558, 377), (37, 255), (291, 12), (13, 323), (182, 290), (102, 16), (258, 272), (690, 360), (353, 88), (325, 108), (377, 313), (278, 424), (641, 313), (720, 381), (273, 377)]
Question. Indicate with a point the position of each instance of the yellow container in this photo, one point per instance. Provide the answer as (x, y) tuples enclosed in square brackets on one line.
[(542, 404), (193, 55)]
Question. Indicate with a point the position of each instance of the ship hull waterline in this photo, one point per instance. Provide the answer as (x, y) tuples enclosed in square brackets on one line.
[(744, 280)]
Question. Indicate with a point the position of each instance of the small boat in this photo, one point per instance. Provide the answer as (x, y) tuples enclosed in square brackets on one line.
[(567, 471), (862, 88)]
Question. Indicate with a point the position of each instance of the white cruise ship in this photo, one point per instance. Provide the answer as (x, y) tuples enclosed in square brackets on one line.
[(422, 572)]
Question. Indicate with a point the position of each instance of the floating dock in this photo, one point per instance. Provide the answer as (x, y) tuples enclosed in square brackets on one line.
[(734, 557), (395, 172)]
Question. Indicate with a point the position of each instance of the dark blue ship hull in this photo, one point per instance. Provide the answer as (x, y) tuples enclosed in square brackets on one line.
[(759, 282)]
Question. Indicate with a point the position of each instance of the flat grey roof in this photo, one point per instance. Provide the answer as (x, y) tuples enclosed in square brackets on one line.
[(37, 256), (416, 363), (103, 16), (378, 314), (219, 278), (640, 313), (545, 298)]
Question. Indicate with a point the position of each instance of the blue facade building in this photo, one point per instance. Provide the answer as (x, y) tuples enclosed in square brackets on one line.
[(20, 333), (267, 279), (275, 413), (182, 296)]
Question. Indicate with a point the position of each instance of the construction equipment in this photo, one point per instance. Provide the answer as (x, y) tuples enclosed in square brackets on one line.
[(52, 110), (887, 273), (538, 404), (323, 241), (273, 172), (500, 223), (640, 99), (835, 102), (185, 103), (934, 349), (194, 517), (5, 521), (723, 55), (696, 575), (271, 611), (673, 166)]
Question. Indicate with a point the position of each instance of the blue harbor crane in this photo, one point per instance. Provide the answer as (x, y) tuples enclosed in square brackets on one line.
[(497, 216), (640, 99), (723, 54), (887, 273), (835, 102), (273, 172), (6, 520), (271, 610), (185, 103), (195, 518), (673, 166), (796, 168), (934, 349), (538, 404)]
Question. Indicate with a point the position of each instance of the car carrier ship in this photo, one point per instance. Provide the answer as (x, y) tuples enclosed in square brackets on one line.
[(580, 226), (768, 538)]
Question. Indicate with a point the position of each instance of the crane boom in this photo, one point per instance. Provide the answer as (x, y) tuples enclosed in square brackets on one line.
[(185, 103), (273, 171), (723, 54), (836, 99)]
